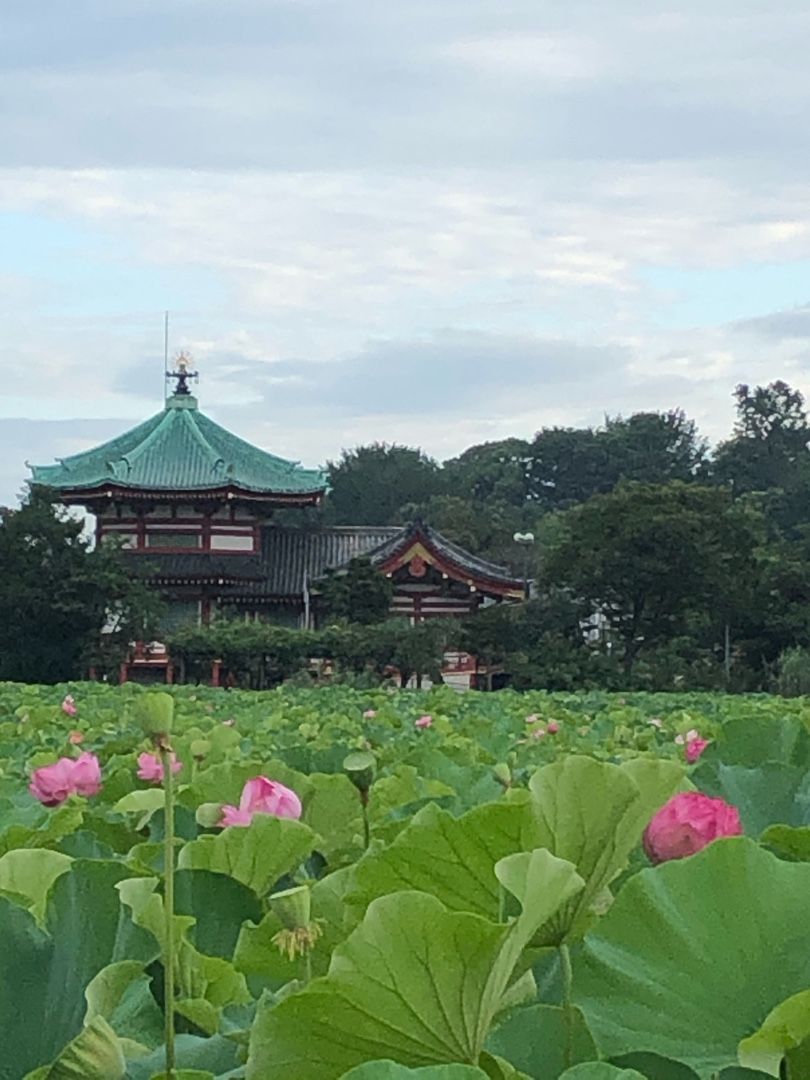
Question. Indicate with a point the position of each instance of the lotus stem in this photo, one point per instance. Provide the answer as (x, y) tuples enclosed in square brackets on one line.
[(366, 823), (168, 905), (568, 1010)]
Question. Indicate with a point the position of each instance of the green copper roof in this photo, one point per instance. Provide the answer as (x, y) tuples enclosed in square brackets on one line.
[(180, 449)]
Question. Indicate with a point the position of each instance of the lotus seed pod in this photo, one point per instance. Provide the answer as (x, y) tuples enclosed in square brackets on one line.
[(361, 768), (292, 907), (200, 748), (155, 711)]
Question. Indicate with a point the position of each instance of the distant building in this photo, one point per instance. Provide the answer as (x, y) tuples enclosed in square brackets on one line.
[(193, 505)]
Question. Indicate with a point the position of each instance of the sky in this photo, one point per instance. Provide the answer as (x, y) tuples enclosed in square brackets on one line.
[(434, 222)]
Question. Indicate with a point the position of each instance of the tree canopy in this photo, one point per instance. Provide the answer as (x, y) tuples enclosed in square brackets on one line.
[(57, 594), (369, 484)]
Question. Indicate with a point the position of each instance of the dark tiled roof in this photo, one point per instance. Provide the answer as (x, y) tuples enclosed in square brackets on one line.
[(290, 554), (197, 566)]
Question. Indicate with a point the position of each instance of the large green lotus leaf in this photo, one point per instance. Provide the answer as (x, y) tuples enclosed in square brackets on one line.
[(204, 984), (600, 1070), (535, 1040), (219, 906), (768, 794), (95, 1054), (403, 788), (44, 972), (655, 1067), (258, 957), (46, 827), (415, 983), (739, 1072), (472, 787), (332, 809), (30, 872), (723, 934), (744, 741), (257, 855), (185, 1074), (797, 1061), (784, 1028), (788, 842), (121, 995), (217, 1055), (451, 858), (593, 814), (84, 844), (390, 1070)]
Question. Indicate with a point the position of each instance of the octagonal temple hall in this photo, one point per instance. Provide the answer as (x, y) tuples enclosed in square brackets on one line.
[(193, 507)]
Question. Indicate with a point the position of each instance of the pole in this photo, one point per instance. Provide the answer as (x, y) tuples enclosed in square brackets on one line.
[(165, 350)]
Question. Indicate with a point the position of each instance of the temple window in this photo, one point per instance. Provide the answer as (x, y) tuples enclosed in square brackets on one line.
[(121, 537), (165, 538), (231, 542)]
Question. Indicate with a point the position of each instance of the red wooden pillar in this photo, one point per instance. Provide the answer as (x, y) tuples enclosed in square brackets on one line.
[(216, 672), (169, 674), (123, 671)]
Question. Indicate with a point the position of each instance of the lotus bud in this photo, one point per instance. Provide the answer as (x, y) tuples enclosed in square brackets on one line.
[(502, 774), (209, 815), (200, 749), (361, 768), (155, 712)]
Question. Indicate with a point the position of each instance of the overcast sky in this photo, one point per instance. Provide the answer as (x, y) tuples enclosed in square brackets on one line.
[(436, 221)]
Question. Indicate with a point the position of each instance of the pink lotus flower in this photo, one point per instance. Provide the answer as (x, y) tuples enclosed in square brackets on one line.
[(532, 718), (687, 823), (229, 722), (262, 796), (552, 727), (423, 722), (76, 737), (69, 706), (52, 784), (539, 733), (369, 714), (150, 767), (656, 722), (694, 748)]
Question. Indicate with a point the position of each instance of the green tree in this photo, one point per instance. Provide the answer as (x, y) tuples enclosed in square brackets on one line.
[(654, 448), (568, 466), (359, 593), (648, 557), (369, 484), (769, 445), (492, 472), (57, 595)]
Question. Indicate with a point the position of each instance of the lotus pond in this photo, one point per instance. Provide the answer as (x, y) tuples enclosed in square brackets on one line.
[(383, 886)]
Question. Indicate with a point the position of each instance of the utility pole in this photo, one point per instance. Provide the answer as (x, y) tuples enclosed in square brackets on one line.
[(525, 540)]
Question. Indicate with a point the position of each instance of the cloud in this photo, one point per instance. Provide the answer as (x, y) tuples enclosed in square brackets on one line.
[(779, 325), (438, 222)]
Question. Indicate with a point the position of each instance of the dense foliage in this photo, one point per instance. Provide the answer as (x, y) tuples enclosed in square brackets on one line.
[(464, 897), (697, 562), (57, 593)]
